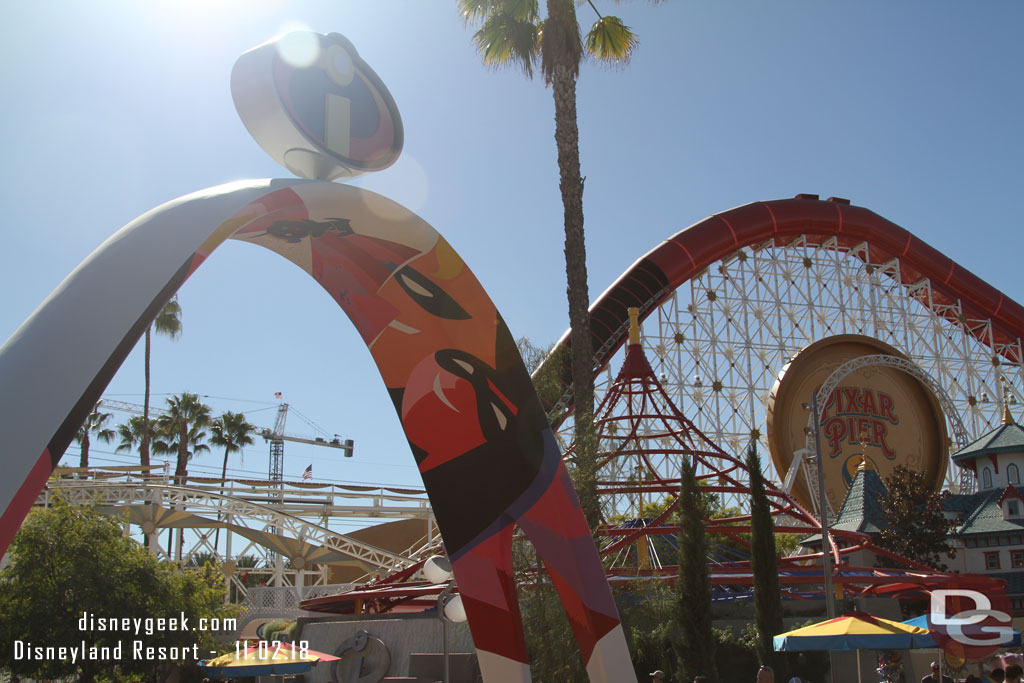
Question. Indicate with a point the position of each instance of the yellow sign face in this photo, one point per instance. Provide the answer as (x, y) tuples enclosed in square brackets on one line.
[(877, 415)]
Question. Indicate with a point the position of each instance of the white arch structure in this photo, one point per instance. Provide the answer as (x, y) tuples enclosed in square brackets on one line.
[(428, 324)]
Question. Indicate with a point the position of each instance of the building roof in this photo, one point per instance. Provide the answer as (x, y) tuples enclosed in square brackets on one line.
[(1006, 438), (984, 514), (963, 502), (1010, 492), (861, 510)]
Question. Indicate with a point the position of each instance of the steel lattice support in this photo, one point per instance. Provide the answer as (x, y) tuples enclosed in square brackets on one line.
[(718, 342), (267, 531)]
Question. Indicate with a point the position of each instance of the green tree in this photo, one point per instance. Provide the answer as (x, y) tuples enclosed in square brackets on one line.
[(184, 428), (764, 566), (544, 366), (66, 562), (513, 33), (917, 528), (230, 431), (168, 323), (93, 426), (695, 649)]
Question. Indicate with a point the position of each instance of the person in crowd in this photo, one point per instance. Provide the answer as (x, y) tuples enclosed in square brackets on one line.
[(658, 676), (765, 675), (1013, 673), (934, 676)]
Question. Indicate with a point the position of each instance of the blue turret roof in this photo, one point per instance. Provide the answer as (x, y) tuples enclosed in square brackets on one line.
[(861, 510), (1006, 438)]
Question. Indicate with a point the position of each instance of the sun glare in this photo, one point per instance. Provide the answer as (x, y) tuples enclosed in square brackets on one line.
[(298, 47), (206, 12)]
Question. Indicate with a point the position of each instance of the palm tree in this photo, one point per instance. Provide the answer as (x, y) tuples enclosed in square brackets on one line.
[(512, 33), (131, 433), (168, 322), (93, 425), (231, 431), (184, 428)]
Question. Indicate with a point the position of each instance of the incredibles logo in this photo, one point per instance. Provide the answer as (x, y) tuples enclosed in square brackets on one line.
[(855, 413)]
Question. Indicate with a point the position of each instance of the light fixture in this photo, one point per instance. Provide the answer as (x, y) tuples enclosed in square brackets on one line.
[(454, 610), (437, 569)]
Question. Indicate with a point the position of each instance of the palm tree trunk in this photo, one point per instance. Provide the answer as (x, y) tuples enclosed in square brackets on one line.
[(563, 87), (84, 460), (144, 446), (180, 475), (181, 469), (223, 476)]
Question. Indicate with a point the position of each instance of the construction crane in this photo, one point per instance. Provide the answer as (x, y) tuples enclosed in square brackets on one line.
[(277, 437)]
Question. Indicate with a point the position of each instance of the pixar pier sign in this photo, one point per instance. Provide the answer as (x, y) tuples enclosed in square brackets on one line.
[(858, 415)]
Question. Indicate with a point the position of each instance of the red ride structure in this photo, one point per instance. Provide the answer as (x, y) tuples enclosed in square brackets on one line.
[(637, 421)]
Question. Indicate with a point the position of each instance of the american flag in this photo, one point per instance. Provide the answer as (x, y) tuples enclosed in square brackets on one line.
[(308, 472), (277, 394)]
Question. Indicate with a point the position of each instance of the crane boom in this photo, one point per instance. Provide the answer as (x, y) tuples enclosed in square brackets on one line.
[(275, 436), (346, 445)]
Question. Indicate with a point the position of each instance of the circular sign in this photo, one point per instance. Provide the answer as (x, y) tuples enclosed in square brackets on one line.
[(969, 621), (878, 416), (316, 107)]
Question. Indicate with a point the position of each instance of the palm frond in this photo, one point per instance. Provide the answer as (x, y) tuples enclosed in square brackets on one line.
[(168, 320), (231, 431), (504, 40), (610, 40), (474, 11), (522, 10), (560, 43)]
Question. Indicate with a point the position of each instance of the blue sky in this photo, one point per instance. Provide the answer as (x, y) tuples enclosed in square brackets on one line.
[(911, 109)]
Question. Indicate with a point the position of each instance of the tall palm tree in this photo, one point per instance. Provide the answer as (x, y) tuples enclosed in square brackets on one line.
[(168, 323), (132, 432), (512, 33), (184, 428), (93, 426), (230, 431)]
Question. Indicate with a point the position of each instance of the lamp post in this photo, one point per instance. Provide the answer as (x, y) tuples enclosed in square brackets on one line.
[(450, 610), (442, 600), (826, 556)]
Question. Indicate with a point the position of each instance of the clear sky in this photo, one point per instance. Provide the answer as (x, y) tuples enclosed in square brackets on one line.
[(912, 109)]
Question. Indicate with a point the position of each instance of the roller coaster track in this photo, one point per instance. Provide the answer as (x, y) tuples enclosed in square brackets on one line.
[(727, 303), (252, 515), (947, 289)]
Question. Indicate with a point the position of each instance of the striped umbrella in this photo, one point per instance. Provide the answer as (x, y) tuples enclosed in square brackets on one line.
[(854, 631)]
